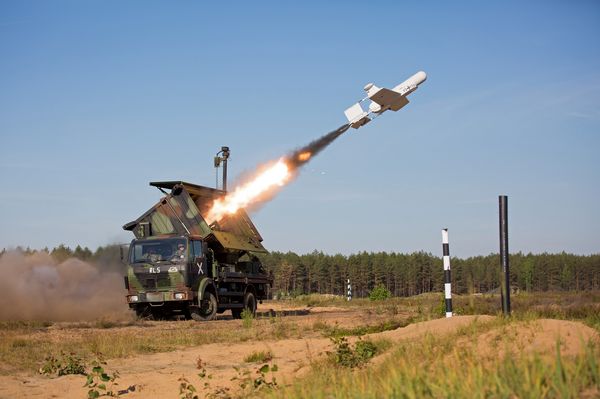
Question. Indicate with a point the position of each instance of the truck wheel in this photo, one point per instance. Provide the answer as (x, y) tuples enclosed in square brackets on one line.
[(158, 315), (250, 303), (207, 309), (143, 312)]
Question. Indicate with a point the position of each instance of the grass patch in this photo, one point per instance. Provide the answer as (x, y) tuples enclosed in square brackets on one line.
[(337, 331), (247, 318), (12, 325), (24, 346), (433, 367), (259, 356)]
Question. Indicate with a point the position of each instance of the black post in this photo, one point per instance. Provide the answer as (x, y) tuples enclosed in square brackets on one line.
[(503, 207)]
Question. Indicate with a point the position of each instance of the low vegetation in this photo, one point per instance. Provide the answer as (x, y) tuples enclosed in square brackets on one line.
[(430, 367), (63, 364), (259, 357), (434, 367), (336, 331), (357, 355), (100, 382), (24, 346)]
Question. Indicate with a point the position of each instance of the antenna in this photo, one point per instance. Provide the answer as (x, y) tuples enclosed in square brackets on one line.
[(224, 155)]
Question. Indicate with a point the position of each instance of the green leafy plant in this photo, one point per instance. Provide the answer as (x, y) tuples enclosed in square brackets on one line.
[(264, 378), (365, 350), (64, 364), (100, 382), (186, 390), (380, 293)]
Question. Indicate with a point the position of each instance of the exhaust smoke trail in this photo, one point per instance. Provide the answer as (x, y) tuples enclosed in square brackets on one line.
[(263, 185), (304, 154)]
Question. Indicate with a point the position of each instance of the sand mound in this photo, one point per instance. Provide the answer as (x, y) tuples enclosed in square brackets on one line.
[(436, 327), (538, 336)]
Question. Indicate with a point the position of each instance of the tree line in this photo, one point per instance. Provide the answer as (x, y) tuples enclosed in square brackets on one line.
[(402, 274), (421, 272)]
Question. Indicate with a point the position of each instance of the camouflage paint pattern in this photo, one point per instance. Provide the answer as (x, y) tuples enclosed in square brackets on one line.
[(179, 213)]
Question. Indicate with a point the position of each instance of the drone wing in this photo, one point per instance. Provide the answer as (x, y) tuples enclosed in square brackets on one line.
[(387, 99), (357, 116)]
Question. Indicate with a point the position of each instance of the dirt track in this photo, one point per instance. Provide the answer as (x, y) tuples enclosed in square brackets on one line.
[(156, 375)]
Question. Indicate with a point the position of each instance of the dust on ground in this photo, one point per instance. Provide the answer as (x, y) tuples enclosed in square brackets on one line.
[(37, 287)]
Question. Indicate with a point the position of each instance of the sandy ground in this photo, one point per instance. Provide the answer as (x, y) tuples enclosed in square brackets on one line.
[(156, 375)]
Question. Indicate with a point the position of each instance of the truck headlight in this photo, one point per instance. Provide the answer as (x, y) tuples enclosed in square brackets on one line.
[(180, 295), (133, 298)]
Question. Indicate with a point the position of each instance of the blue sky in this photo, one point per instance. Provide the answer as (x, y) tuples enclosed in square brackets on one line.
[(97, 98)]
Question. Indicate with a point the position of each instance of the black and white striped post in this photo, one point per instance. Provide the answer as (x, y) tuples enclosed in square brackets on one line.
[(349, 290), (447, 276)]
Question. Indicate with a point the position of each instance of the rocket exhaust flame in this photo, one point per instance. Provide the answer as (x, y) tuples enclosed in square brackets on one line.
[(244, 195), (305, 156), (263, 184)]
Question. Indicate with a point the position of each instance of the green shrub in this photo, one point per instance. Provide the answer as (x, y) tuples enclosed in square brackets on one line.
[(379, 293), (347, 356)]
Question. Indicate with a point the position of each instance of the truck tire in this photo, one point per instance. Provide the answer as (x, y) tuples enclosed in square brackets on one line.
[(207, 308), (143, 312), (249, 304), (236, 313), (158, 315)]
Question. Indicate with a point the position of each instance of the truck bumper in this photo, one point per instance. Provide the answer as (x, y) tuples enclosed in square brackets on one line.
[(159, 296)]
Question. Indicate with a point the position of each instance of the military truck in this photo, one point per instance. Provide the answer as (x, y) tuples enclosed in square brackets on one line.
[(179, 265)]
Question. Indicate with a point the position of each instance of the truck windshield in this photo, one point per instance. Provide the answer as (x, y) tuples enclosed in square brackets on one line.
[(168, 249)]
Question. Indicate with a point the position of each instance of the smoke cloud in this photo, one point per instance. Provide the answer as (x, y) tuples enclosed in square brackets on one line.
[(36, 287)]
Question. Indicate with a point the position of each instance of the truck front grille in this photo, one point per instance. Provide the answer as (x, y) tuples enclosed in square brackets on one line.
[(150, 283)]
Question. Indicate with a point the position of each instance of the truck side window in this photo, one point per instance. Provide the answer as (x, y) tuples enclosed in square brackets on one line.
[(197, 248)]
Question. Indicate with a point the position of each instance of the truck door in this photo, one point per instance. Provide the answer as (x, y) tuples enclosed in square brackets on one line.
[(203, 268)]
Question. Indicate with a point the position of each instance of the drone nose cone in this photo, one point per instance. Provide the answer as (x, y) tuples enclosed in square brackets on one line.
[(419, 77)]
